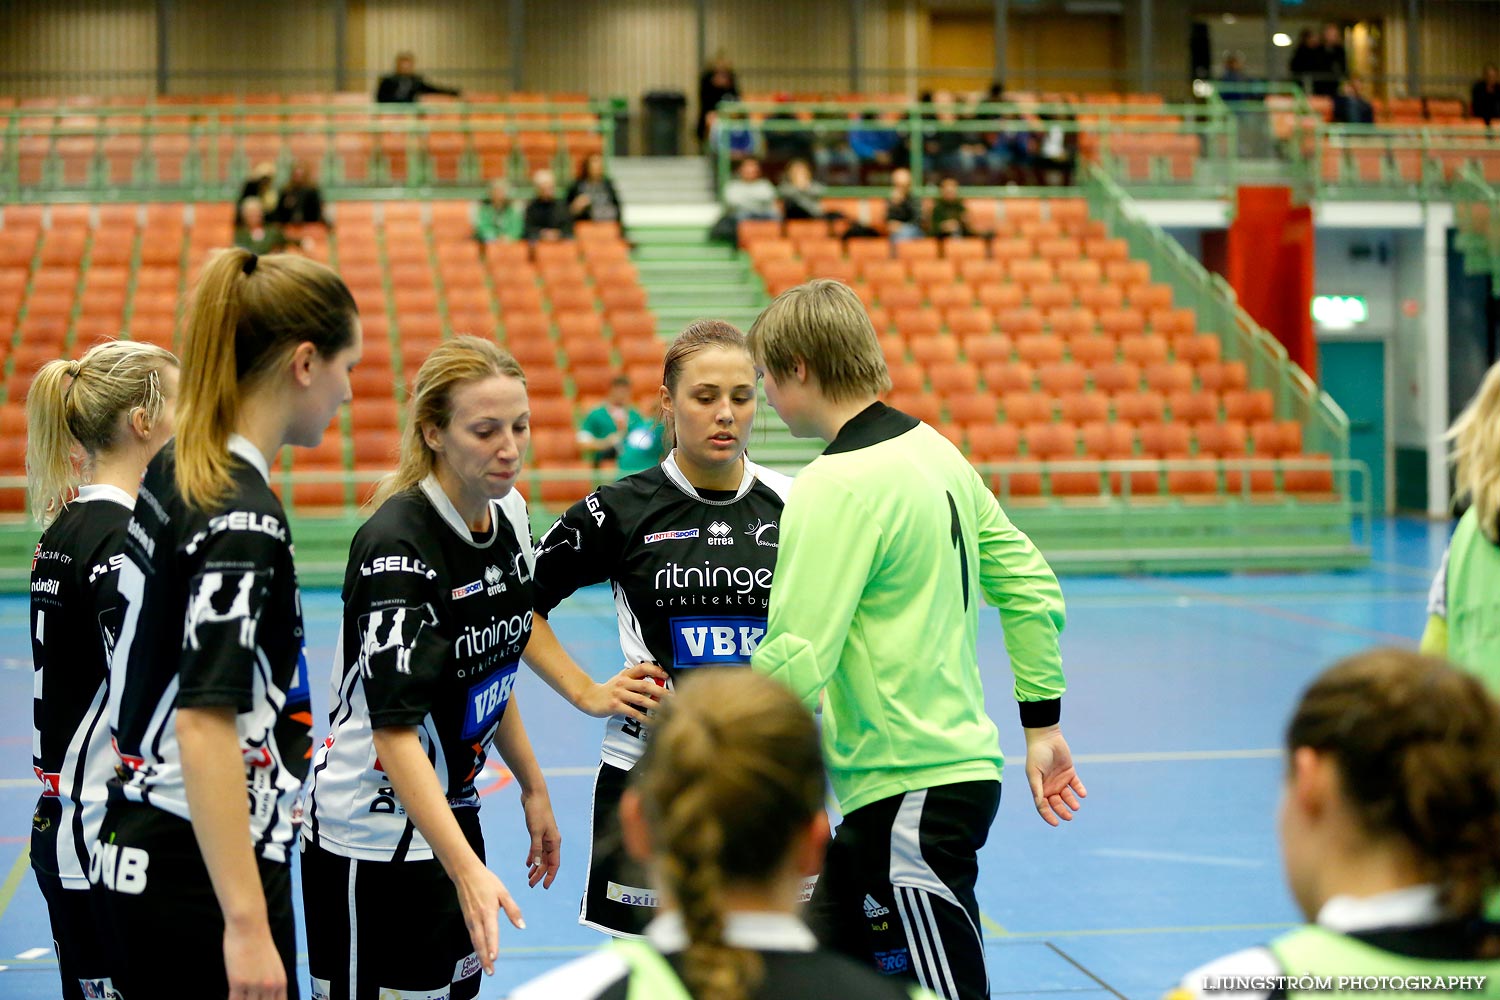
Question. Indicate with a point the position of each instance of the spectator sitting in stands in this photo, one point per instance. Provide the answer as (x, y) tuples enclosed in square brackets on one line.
[(1233, 73), (254, 234), (404, 86), (260, 185), (834, 155), (1056, 151), (1484, 99), (947, 149), (300, 202), (947, 217), (547, 216), (786, 145), (801, 196), (496, 217), (873, 145), (593, 197), (749, 195), (903, 213), (607, 425), (1351, 106)]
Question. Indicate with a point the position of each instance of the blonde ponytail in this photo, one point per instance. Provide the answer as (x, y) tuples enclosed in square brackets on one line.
[(731, 776), (248, 316), (1476, 454), (82, 404)]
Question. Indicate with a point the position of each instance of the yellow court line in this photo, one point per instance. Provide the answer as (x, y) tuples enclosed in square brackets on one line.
[(13, 880), (990, 925)]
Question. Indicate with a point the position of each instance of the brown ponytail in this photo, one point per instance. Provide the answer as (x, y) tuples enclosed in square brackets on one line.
[(248, 316), (732, 774), (83, 403), (1417, 744)]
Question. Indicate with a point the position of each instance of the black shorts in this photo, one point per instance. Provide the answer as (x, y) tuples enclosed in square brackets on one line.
[(76, 918), (150, 875), (620, 897), (389, 928), (897, 891)]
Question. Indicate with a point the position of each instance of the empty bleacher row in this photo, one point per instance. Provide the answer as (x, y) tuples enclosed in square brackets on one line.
[(210, 139), (1047, 344), (572, 312)]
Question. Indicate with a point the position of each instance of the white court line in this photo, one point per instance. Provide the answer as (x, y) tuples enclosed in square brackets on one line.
[(1168, 756), (1148, 757), (1186, 859), (31, 954)]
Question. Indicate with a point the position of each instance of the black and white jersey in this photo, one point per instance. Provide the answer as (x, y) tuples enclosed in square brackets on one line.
[(691, 571), (212, 619), (435, 621), (75, 616)]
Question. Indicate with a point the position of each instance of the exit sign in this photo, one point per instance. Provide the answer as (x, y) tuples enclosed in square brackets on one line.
[(1339, 312)]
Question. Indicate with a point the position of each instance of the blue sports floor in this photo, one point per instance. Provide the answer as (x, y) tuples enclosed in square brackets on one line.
[(1179, 688)]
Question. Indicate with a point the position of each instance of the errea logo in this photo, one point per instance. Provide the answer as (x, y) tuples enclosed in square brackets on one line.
[(719, 534), (494, 581)]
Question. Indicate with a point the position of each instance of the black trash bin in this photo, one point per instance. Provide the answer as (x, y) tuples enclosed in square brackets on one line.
[(664, 112)]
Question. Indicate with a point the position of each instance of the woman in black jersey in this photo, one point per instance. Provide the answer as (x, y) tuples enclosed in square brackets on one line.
[(437, 613), (688, 548), (115, 403), (726, 804), (208, 689)]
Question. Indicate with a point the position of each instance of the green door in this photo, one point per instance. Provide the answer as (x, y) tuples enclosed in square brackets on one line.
[(1353, 373)]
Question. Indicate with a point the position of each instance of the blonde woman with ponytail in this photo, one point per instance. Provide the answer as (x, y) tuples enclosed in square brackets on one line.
[(208, 691), (115, 405), (437, 614), (1464, 605), (1390, 837), (726, 806)]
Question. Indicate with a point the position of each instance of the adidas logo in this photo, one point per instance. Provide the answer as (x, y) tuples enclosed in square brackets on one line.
[(718, 534), (874, 909)]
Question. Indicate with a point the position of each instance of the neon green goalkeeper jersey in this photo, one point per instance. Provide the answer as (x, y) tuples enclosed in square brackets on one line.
[(888, 542)]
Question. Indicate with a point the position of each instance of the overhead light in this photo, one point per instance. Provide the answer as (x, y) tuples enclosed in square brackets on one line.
[(1281, 40), (1229, 19)]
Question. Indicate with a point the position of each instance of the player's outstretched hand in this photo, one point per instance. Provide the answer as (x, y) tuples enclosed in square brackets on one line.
[(252, 963), (480, 895), (632, 692), (1055, 785), (546, 842)]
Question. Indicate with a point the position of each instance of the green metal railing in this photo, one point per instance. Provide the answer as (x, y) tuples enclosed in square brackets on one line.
[(1167, 149), (194, 152), (1477, 214), (1396, 161), (1325, 427)]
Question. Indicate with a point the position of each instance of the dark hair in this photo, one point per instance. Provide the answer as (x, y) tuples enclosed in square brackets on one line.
[(732, 774), (248, 316), (619, 380), (1417, 746)]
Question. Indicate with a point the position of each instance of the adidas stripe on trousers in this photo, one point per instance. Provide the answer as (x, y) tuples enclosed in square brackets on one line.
[(897, 890)]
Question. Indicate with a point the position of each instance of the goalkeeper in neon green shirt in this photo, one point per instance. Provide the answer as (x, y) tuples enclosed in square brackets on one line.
[(888, 542)]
